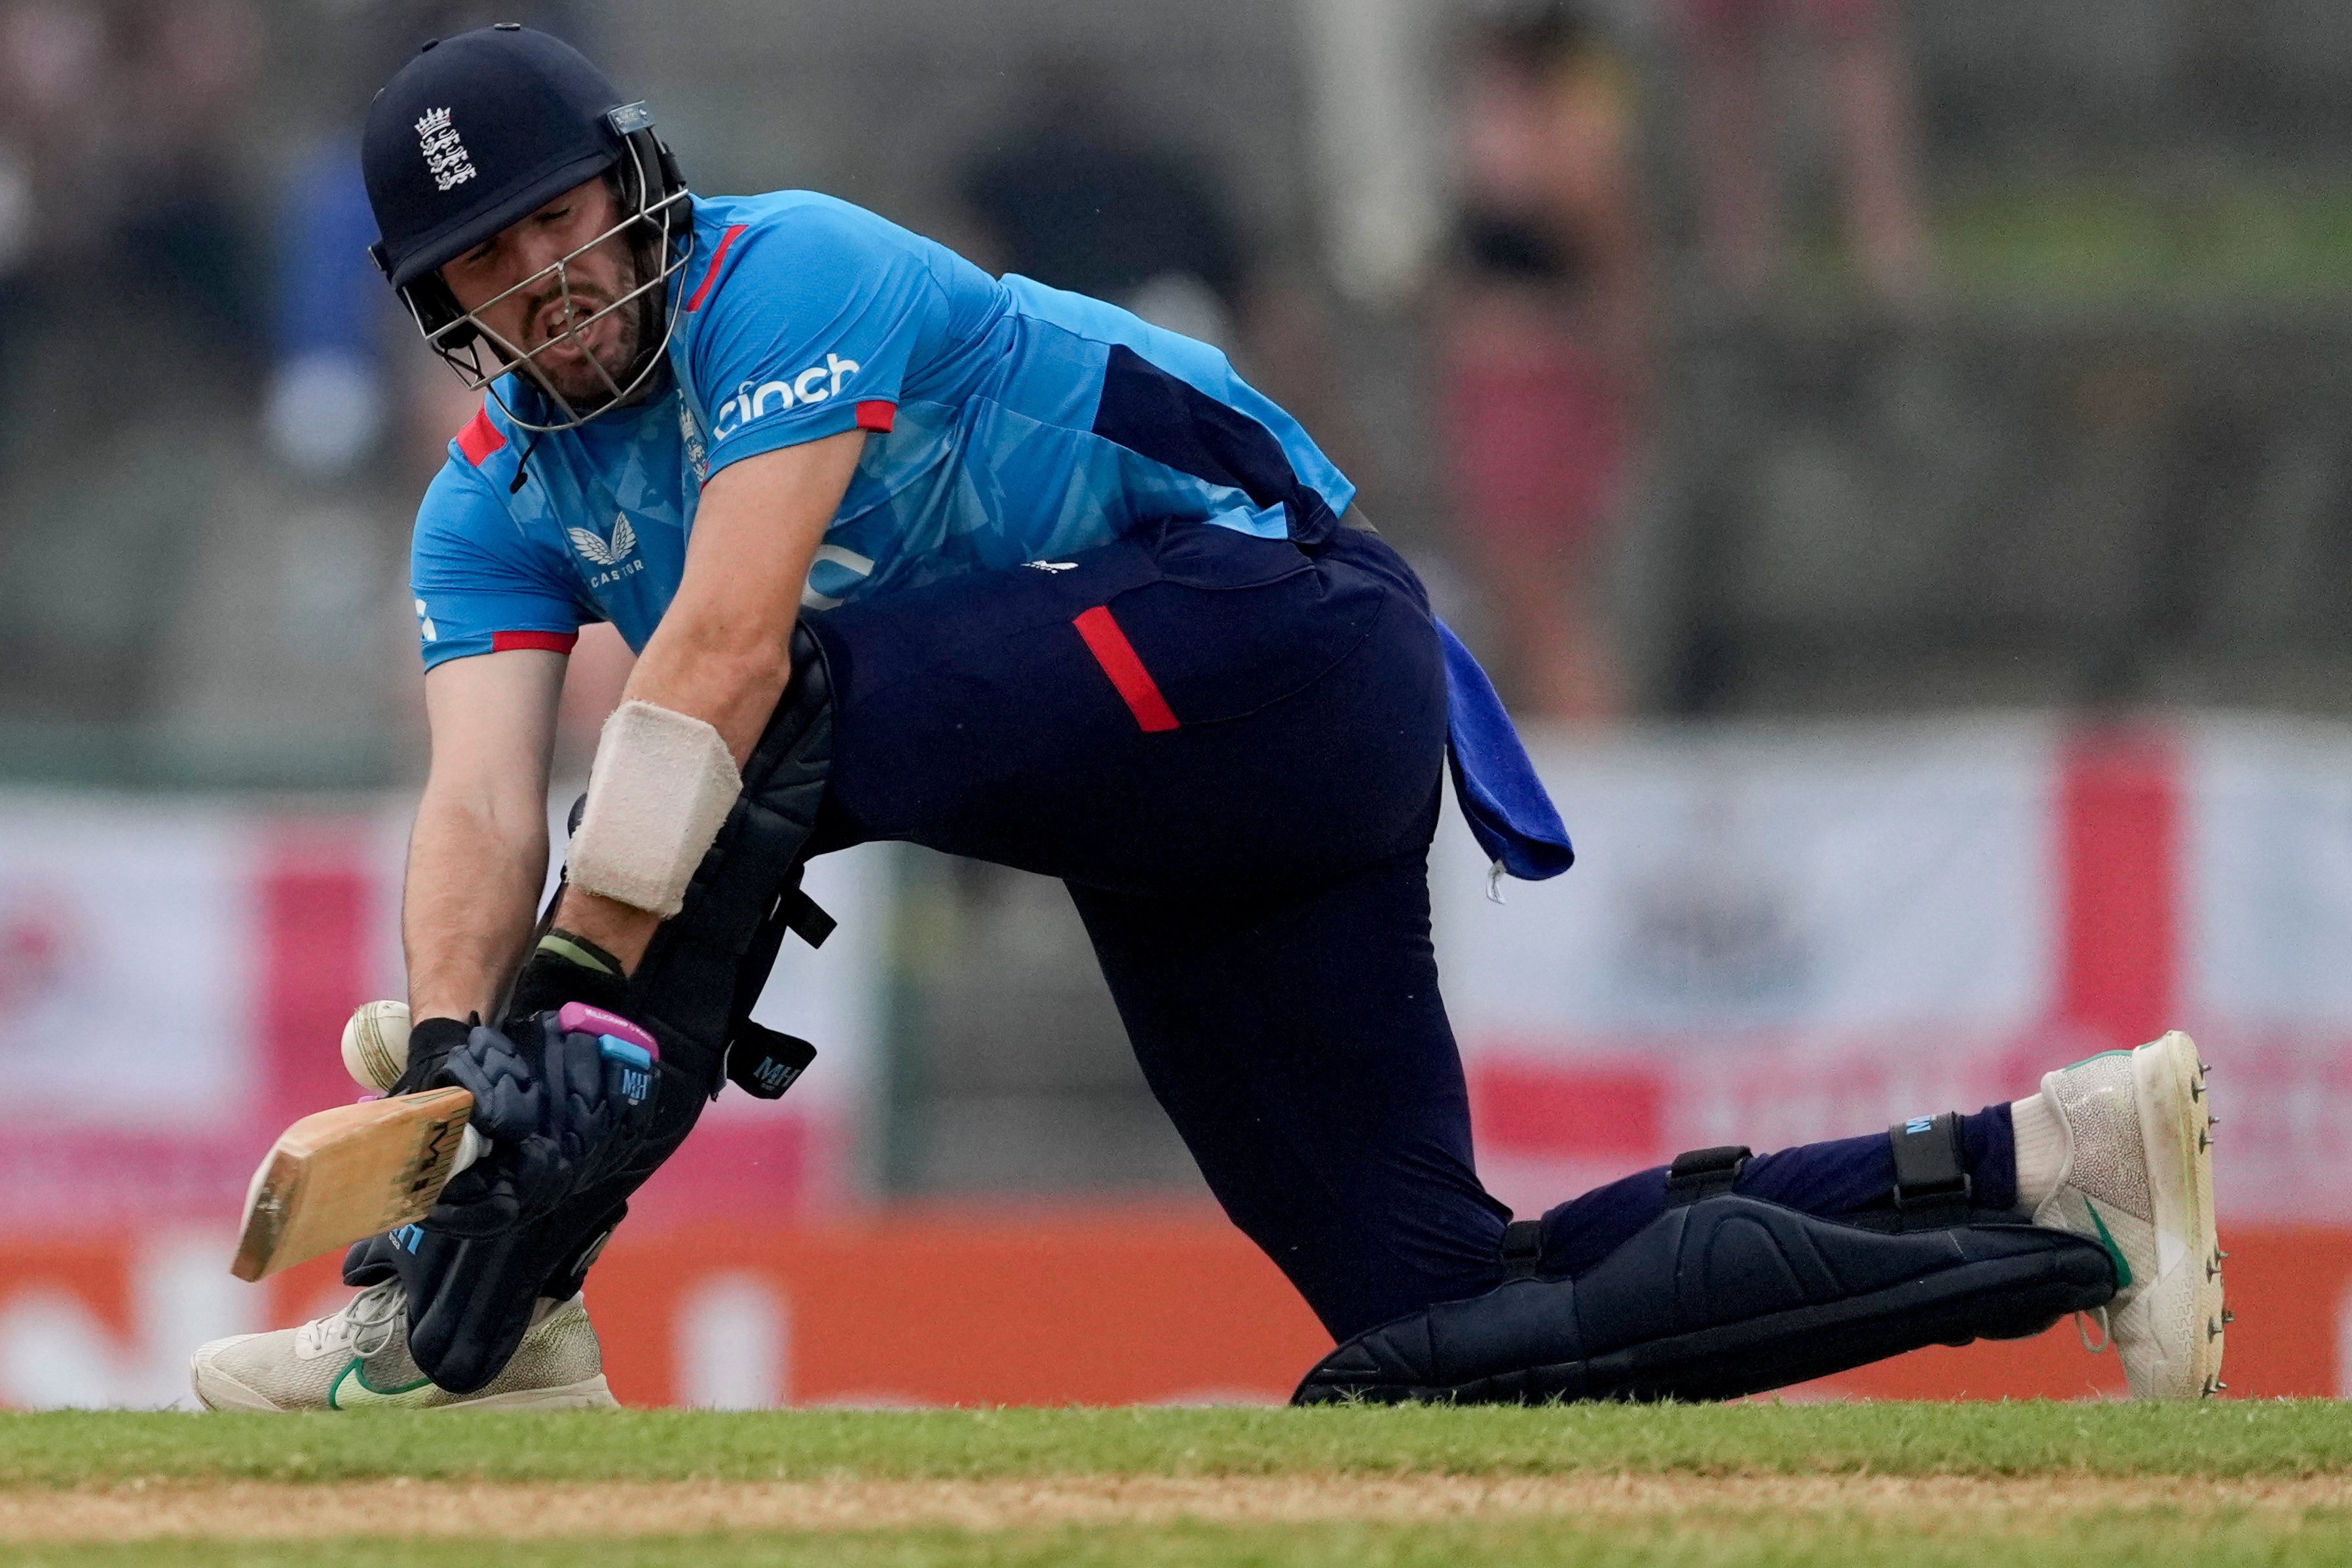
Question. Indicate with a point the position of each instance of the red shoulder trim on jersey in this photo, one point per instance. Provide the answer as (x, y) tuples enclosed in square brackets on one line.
[(878, 414), (711, 273), (551, 642), (479, 438)]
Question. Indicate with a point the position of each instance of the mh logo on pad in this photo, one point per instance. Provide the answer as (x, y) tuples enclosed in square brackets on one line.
[(633, 1067), (774, 1076)]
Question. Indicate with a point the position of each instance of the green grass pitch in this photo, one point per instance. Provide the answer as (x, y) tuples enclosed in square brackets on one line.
[(2148, 1486)]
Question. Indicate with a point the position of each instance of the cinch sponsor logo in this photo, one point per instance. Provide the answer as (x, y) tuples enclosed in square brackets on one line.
[(818, 383)]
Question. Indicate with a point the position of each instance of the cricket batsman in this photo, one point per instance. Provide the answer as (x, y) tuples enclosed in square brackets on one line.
[(907, 552)]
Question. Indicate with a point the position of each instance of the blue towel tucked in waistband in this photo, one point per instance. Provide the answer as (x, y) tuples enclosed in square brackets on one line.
[(1504, 802)]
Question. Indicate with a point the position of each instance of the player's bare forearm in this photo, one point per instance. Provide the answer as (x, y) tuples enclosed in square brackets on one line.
[(477, 855), (723, 651), (724, 648), (472, 892)]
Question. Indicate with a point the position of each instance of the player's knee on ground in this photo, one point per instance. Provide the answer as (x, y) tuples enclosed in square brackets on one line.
[(1724, 1295)]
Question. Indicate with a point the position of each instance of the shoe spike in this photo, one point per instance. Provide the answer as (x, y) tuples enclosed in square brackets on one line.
[(2212, 1329), (2228, 1316), (2204, 1140), (2219, 1255)]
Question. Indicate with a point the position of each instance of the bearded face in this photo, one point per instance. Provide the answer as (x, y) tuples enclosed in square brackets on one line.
[(540, 303)]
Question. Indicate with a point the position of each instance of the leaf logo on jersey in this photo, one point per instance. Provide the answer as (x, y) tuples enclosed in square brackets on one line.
[(599, 552)]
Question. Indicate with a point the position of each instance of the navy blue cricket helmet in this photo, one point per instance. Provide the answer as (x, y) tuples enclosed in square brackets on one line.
[(476, 132)]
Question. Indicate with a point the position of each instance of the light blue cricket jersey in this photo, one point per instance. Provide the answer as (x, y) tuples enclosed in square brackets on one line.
[(1009, 422)]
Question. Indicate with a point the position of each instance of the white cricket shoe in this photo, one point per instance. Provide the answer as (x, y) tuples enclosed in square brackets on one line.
[(359, 1357), (2137, 1178)]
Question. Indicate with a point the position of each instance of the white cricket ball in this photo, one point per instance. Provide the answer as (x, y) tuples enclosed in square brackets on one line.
[(375, 1044)]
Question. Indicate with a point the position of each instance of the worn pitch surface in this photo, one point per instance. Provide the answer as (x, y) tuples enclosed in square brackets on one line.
[(1913, 1484)]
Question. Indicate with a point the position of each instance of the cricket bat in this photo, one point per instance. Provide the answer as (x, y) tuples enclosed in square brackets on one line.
[(355, 1171)]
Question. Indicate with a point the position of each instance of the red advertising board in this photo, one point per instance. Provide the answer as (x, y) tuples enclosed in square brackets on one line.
[(1110, 1306)]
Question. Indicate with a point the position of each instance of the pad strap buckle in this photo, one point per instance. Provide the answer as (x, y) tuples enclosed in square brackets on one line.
[(1703, 1174), (1931, 1177), (1522, 1249), (801, 916)]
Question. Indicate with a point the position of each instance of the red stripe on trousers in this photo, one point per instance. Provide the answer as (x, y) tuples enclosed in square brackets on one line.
[(1118, 657), (314, 896), (2119, 845)]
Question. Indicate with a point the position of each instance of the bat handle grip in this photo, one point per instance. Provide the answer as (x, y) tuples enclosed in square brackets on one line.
[(471, 1146)]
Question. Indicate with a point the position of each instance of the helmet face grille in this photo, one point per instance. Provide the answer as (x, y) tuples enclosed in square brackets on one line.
[(480, 356)]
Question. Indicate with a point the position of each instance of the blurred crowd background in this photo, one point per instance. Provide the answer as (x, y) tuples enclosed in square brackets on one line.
[(1755, 359)]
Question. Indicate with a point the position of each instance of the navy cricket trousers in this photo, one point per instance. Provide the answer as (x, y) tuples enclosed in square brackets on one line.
[(1229, 748)]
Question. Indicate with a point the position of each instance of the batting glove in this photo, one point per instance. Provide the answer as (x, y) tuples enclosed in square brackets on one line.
[(572, 1094)]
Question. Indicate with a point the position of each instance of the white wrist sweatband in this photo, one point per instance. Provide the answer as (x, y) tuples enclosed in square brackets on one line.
[(660, 789)]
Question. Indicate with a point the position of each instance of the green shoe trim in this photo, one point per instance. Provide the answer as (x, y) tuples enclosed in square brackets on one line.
[(2123, 1267), (367, 1392)]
